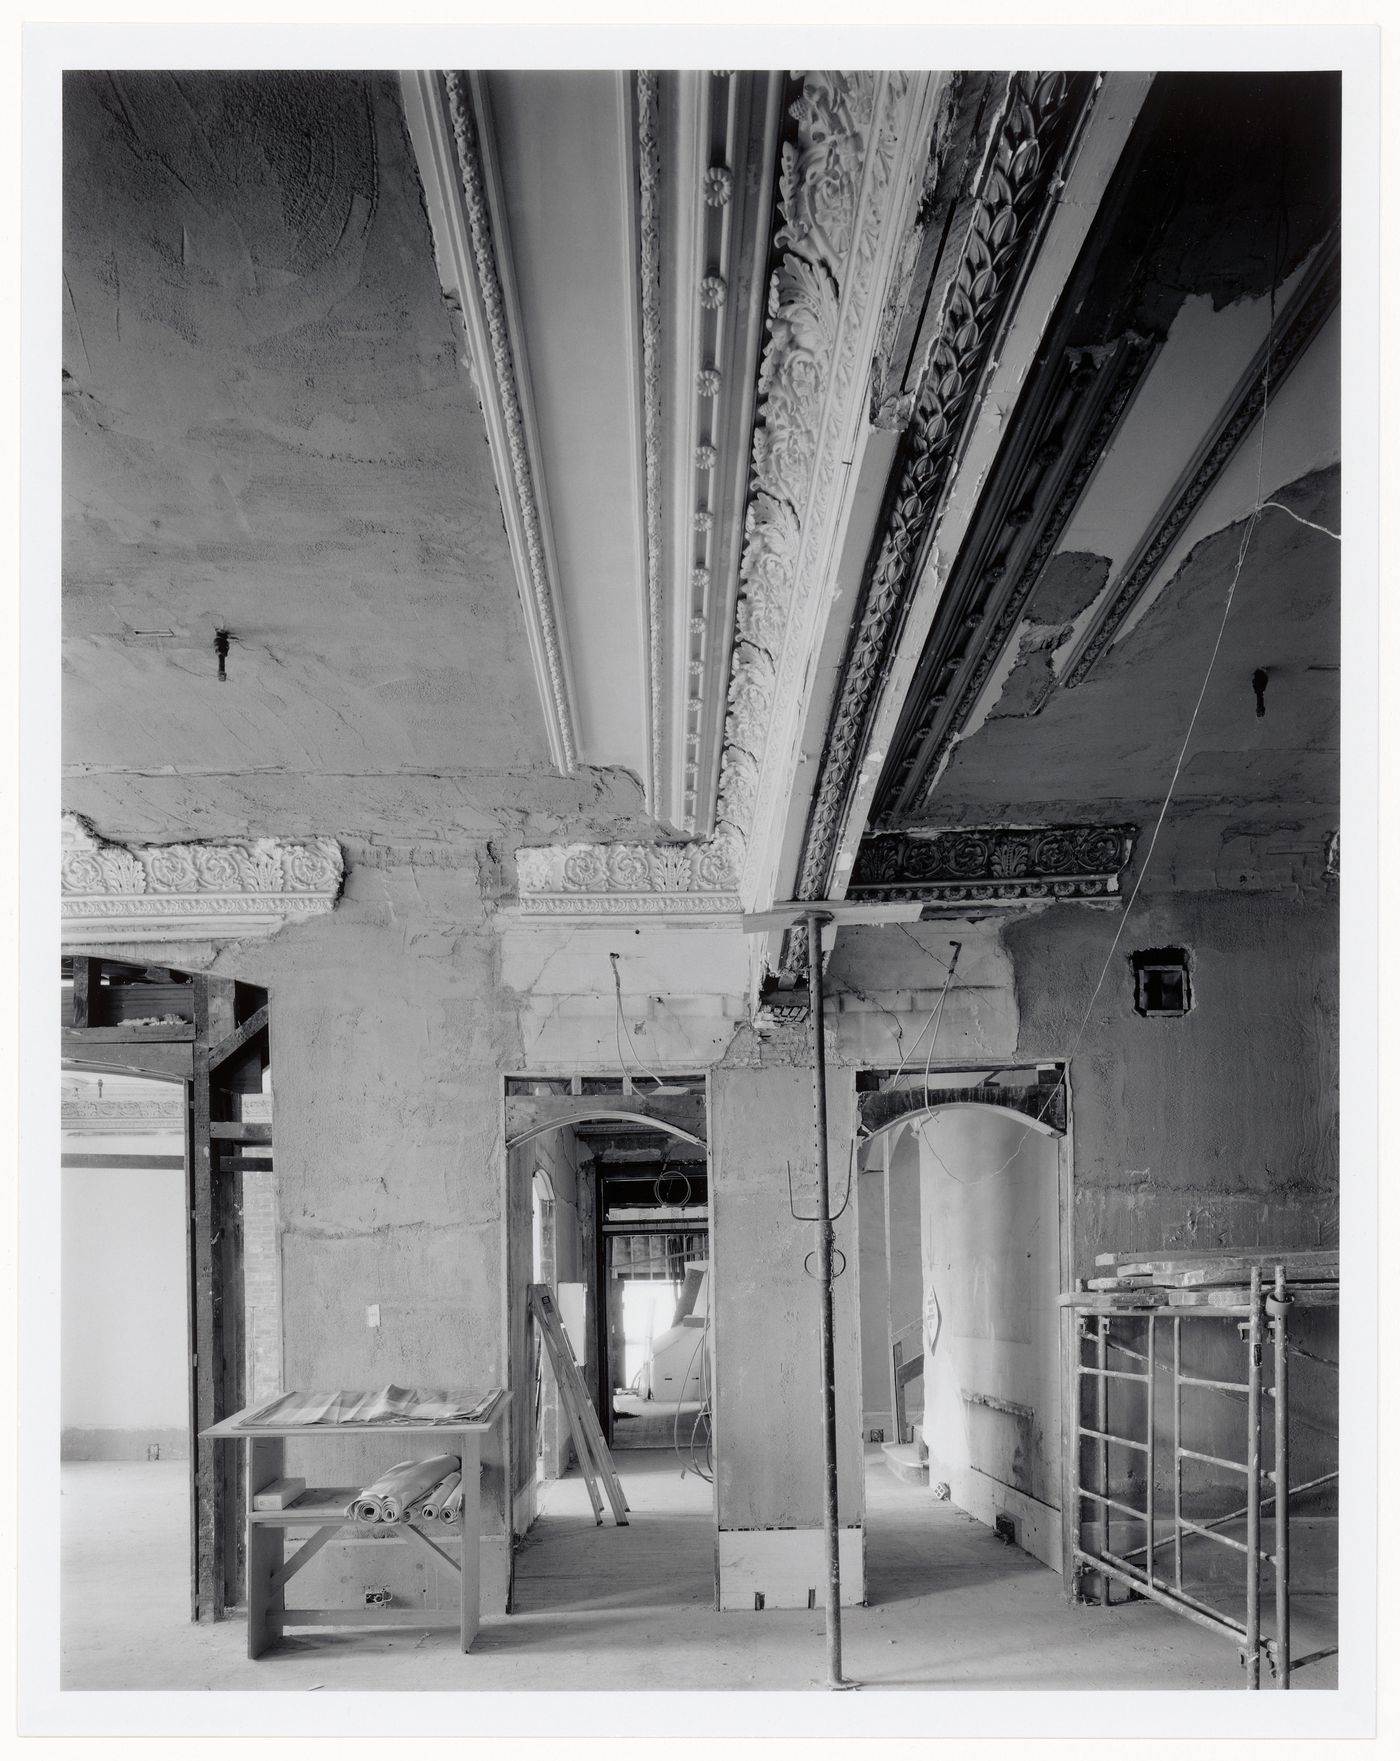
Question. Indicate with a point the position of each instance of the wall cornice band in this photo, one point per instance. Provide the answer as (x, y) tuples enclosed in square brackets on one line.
[(994, 865), (118, 893)]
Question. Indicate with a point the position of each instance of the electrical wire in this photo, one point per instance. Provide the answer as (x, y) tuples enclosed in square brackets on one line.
[(1248, 534), (694, 1466), (620, 1027)]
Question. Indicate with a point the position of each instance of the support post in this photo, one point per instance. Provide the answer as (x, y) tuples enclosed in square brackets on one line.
[(1101, 1425), (1176, 1447), (830, 1513), (896, 1435), (1151, 1447), (1282, 1613), (1251, 1561)]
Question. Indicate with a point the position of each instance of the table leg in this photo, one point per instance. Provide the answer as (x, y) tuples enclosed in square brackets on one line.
[(265, 1459), (471, 1537)]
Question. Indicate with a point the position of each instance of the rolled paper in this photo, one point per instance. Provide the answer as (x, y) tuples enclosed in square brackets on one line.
[(431, 1506), (451, 1511), (368, 1506), (408, 1486)]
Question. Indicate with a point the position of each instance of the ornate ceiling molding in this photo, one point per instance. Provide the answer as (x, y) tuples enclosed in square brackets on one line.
[(1313, 303), (845, 195), (119, 893), (722, 138), (1057, 443), (649, 277), (1017, 187), (627, 880), (990, 866), (441, 110), (850, 174)]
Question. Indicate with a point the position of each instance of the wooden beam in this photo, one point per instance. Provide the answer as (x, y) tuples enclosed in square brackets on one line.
[(169, 1061), (235, 1131), (214, 1483), (73, 1161), (87, 986), (220, 1054), (131, 1033)]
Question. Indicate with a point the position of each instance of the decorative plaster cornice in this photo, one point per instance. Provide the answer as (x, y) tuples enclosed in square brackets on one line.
[(1016, 191), (855, 132), (440, 111), (649, 272), (104, 1118), (114, 893), (825, 300), (1312, 305), (687, 880), (994, 865)]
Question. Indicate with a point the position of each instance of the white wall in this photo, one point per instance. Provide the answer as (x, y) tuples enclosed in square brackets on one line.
[(991, 1254), (125, 1376)]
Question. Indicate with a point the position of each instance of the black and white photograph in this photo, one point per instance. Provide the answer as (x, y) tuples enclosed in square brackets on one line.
[(710, 738)]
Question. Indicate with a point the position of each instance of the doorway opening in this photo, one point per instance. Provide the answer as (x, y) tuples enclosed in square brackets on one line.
[(963, 1220), (607, 1202), (169, 1214)]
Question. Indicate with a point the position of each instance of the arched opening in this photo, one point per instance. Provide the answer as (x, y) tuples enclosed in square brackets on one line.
[(623, 1241), (962, 1230)]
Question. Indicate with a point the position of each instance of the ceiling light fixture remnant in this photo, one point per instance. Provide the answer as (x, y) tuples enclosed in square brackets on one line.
[(222, 638), (1259, 684)]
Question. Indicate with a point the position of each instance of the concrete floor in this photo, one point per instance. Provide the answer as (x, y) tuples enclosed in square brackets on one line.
[(950, 1607)]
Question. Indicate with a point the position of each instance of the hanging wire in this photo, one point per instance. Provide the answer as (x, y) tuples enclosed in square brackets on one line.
[(693, 1465), (1246, 537), (620, 1027), (834, 1215)]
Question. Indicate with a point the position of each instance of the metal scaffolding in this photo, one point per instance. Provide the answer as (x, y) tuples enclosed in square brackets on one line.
[(1127, 1355)]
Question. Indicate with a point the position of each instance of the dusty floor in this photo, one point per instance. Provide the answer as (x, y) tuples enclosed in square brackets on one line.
[(950, 1607)]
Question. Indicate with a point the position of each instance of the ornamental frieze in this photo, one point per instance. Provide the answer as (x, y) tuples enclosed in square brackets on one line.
[(148, 892), (994, 864)]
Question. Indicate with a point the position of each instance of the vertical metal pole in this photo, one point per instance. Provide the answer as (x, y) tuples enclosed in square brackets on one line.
[(1101, 1425), (1151, 1446), (830, 1519), (1176, 1445), (1251, 1558), (895, 1436), (1282, 1611)]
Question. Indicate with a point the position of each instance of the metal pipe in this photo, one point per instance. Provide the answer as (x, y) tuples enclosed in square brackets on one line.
[(1251, 1562), (1151, 1446), (1076, 1456), (1220, 1461), (1101, 1415), (1176, 1445), (1183, 1605), (1282, 1611), (1233, 1516), (830, 1516), (1107, 1437)]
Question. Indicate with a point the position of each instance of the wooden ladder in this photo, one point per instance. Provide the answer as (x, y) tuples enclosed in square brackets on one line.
[(594, 1459)]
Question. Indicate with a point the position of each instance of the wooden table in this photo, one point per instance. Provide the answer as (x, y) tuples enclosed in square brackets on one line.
[(323, 1509)]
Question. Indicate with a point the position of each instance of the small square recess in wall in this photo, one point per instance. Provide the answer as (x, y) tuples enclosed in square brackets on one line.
[(1161, 982)]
